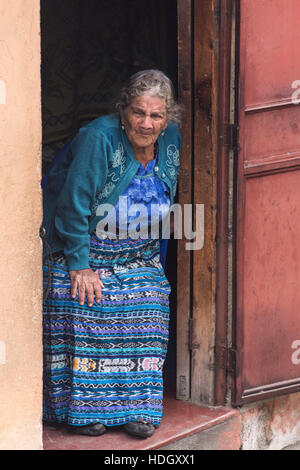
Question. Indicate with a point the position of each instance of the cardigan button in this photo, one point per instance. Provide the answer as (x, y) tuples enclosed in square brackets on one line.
[(163, 175), (156, 169)]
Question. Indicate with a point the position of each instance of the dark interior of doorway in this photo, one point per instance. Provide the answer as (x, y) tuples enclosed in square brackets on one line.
[(89, 48)]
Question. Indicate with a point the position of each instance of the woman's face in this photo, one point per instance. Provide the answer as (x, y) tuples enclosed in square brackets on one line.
[(144, 119)]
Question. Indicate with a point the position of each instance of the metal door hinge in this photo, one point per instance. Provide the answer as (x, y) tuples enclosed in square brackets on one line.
[(226, 358), (231, 360)]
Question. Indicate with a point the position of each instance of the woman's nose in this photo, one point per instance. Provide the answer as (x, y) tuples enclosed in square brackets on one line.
[(147, 122)]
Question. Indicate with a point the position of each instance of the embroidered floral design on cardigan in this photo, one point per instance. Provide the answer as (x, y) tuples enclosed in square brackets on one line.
[(114, 175), (173, 164)]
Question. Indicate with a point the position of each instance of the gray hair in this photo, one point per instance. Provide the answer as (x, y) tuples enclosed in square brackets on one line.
[(157, 84)]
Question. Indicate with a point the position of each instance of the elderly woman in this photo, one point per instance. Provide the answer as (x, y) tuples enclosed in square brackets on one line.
[(107, 312)]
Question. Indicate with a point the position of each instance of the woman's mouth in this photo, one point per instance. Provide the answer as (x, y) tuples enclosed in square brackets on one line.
[(145, 134)]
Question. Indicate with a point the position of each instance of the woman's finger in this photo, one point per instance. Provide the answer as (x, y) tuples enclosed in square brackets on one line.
[(98, 290), (89, 290), (81, 293), (73, 287)]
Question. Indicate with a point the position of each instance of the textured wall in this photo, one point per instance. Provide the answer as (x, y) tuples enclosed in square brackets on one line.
[(271, 424), (20, 217)]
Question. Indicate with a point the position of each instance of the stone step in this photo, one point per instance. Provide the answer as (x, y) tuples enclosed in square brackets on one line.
[(185, 426)]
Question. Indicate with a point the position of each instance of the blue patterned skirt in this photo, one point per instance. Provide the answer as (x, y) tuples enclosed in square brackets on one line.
[(104, 363)]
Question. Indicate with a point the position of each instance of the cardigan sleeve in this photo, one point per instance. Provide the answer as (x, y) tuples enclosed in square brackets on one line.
[(86, 176)]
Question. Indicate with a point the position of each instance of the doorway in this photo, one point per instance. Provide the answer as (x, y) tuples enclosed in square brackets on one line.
[(89, 49)]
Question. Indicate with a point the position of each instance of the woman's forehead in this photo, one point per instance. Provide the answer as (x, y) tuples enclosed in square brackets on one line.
[(146, 101)]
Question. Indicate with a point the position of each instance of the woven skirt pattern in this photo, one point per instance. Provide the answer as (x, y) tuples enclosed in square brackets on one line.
[(104, 363)]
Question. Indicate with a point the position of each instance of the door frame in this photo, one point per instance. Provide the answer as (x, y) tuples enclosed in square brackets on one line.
[(204, 40), (204, 83)]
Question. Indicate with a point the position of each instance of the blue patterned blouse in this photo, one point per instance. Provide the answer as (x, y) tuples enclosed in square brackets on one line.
[(146, 189)]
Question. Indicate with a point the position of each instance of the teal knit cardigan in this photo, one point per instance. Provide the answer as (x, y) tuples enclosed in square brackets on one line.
[(96, 169)]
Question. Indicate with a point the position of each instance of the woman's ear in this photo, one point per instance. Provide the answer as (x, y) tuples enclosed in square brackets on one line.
[(122, 121), (165, 126)]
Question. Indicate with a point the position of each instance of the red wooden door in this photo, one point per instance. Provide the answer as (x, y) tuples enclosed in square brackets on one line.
[(267, 314)]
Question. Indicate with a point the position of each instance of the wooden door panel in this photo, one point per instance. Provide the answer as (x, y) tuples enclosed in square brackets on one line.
[(196, 294), (280, 139), (267, 320), (270, 28), (271, 281)]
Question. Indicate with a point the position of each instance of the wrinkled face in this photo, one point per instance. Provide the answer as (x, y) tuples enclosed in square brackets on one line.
[(144, 119)]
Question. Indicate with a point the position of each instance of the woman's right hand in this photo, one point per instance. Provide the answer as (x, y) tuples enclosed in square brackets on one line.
[(88, 284)]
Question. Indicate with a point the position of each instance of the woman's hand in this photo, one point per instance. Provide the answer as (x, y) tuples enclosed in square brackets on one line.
[(89, 285)]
